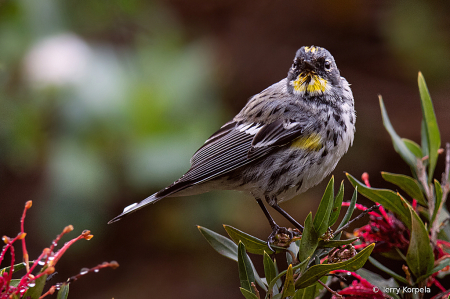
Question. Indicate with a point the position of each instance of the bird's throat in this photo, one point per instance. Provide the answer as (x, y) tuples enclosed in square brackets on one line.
[(309, 83)]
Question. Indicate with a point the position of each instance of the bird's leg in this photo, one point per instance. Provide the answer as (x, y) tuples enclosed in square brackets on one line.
[(275, 228), (287, 216)]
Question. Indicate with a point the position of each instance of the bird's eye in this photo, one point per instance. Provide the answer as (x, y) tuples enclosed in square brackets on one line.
[(327, 65)]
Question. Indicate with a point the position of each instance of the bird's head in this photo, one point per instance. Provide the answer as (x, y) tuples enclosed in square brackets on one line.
[(313, 72)]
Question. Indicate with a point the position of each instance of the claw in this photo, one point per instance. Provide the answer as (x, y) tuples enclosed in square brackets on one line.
[(277, 230)]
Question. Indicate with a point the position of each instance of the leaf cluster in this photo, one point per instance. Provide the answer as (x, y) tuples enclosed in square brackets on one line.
[(425, 214), (419, 205), (307, 261)]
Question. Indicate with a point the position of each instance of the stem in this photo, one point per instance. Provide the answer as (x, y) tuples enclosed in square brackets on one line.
[(25, 278), (11, 269), (256, 290), (422, 176), (26, 258), (365, 212), (445, 184), (330, 290), (429, 193)]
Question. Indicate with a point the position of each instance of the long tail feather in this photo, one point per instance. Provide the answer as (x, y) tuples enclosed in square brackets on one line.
[(136, 206)]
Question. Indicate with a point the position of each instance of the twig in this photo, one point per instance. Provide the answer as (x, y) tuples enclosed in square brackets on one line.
[(407, 273), (364, 213), (330, 290), (256, 290), (446, 175), (445, 185), (446, 220), (422, 177)]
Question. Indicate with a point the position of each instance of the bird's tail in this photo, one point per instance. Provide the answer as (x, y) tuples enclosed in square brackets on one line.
[(136, 206)]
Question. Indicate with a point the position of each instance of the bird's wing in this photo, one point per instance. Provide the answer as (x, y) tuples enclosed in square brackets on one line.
[(278, 133), (233, 146), (224, 151)]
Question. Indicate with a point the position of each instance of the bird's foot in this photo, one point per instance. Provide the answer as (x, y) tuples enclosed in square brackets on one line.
[(281, 236)]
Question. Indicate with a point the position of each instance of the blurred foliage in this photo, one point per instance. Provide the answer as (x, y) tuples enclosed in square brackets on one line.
[(100, 114), (413, 31)]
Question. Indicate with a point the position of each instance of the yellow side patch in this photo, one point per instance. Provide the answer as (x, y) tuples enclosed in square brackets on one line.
[(311, 142), (316, 84)]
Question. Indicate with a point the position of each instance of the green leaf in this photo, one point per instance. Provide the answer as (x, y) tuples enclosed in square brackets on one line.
[(309, 241), (413, 147), (420, 257), (444, 232), (350, 209), (281, 274), (437, 203), (63, 292), (221, 244), (399, 145), (269, 268), (317, 271), (379, 281), (407, 184), (444, 263), (376, 279), (306, 293), (292, 251), (246, 275), (324, 210), (227, 248), (335, 243), (247, 294), (431, 126), (289, 286), (337, 205), (16, 268), (14, 282), (252, 244), (36, 291), (424, 140), (387, 198), (387, 270)]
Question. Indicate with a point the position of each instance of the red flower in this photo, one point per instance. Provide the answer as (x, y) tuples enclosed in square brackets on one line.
[(384, 229), (360, 288), (387, 232), (46, 260)]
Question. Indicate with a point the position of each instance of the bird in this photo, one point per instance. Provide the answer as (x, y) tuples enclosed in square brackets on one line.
[(285, 140)]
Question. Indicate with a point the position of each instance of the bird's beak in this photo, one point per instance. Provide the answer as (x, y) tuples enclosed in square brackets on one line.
[(308, 65)]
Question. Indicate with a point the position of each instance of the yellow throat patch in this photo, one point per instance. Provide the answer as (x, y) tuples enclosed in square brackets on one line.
[(309, 83), (310, 142)]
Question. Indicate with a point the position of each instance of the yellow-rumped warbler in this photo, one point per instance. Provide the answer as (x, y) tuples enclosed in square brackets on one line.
[(287, 138)]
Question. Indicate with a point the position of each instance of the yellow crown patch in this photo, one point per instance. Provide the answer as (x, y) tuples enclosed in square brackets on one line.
[(311, 49)]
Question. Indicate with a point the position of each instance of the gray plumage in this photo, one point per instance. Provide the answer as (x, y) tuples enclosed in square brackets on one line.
[(285, 140)]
